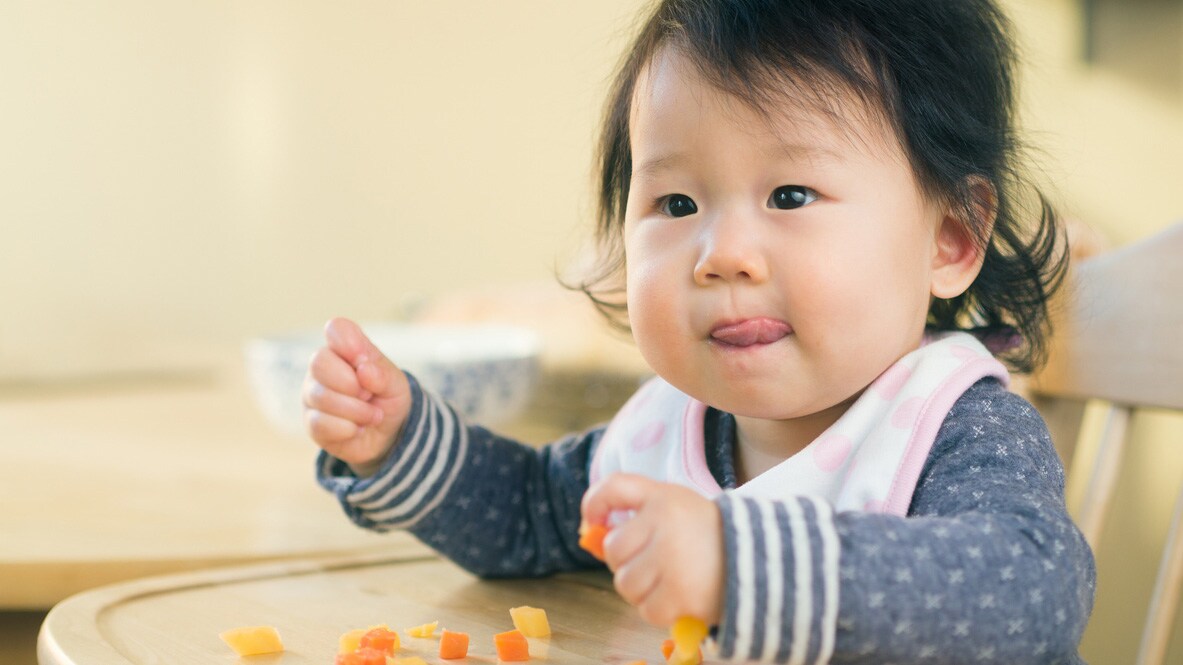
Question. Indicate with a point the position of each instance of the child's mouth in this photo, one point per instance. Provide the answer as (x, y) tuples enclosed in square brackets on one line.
[(750, 332)]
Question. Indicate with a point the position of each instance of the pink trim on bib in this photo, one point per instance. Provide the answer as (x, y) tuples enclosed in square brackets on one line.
[(694, 459), (928, 424)]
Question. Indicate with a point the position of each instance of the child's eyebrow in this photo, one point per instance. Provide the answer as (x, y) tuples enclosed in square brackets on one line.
[(798, 151), (654, 166)]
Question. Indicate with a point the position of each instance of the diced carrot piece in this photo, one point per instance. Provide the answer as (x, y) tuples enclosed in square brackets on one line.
[(530, 620), (363, 656), (453, 645), (426, 630), (252, 640), (667, 648), (591, 538), (381, 639), (511, 646)]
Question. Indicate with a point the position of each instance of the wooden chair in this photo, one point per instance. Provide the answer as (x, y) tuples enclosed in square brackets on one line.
[(1120, 340)]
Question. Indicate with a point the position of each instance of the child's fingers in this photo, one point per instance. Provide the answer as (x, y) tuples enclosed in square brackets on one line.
[(637, 580), (332, 371), (330, 402), (626, 541), (380, 377), (375, 373), (327, 429), (346, 339), (619, 491)]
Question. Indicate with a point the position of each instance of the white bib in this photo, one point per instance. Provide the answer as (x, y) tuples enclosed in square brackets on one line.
[(869, 460)]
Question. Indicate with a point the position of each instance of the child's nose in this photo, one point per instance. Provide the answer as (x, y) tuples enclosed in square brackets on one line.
[(731, 252)]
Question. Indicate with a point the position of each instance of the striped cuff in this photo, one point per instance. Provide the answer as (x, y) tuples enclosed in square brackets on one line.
[(416, 475), (782, 580)]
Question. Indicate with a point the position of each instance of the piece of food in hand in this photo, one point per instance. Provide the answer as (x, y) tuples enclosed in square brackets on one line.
[(530, 620), (511, 646), (688, 634), (426, 630), (253, 640), (380, 638), (363, 656), (453, 645), (591, 538), (684, 647)]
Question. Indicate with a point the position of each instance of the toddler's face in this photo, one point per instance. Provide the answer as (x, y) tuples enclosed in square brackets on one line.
[(774, 268)]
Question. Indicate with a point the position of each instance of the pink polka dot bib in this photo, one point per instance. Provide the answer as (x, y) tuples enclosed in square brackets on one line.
[(869, 460)]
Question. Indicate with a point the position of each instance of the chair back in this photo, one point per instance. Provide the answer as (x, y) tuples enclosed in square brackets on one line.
[(1119, 339)]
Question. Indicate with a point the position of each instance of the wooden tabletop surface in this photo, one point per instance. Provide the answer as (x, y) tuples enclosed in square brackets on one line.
[(107, 483), (176, 619)]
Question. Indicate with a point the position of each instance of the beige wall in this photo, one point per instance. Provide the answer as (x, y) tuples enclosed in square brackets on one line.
[(180, 175), (176, 173)]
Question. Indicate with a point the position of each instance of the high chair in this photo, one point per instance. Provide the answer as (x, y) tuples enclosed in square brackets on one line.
[(1120, 340)]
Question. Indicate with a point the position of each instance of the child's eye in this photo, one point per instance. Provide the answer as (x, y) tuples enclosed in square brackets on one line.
[(790, 197), (678, 205)]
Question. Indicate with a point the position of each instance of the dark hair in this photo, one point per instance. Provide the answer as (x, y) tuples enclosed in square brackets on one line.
[(940, 72)]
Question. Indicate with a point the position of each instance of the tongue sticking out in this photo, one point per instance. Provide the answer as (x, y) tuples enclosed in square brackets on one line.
[(751, 331)]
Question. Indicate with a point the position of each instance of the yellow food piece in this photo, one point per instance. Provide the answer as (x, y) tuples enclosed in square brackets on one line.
[(531, 621), (687, 634), (350, 641), (409, 660), (252, 640), (426, 630)]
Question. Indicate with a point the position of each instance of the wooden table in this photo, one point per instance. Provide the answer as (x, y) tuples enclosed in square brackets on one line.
[(120, 481), (176, 619)]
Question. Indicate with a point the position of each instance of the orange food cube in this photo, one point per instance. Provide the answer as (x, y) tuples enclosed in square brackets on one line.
[(453, 645), (381, 639), (252, 640), (363, 656), (591, 538), (426, 630), (530, 620), (511, 646)]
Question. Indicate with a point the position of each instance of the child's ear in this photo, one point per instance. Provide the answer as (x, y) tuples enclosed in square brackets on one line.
[(958, 254)]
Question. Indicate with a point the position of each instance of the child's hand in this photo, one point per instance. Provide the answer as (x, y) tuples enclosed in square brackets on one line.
[(355, 399), (667, 560)]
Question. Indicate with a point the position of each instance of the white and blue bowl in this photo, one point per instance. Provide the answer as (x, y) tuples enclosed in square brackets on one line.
[(487, 372)]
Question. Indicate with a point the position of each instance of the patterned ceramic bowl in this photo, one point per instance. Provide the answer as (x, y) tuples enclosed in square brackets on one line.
[(487, 372)]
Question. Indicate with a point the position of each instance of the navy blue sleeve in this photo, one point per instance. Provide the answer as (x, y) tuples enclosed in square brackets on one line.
[(986, 568), (495, 506)]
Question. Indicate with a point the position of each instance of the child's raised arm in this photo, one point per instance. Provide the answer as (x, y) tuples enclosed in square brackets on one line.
[(355, 398)]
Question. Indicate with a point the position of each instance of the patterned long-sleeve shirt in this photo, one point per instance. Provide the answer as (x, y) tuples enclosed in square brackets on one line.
[(986, 568)]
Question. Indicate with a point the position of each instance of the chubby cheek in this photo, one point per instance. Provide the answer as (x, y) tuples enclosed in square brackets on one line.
[(654, 301)]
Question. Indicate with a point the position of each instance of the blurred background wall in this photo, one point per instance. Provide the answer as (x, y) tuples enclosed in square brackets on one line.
[(180, 173), (178, 176)]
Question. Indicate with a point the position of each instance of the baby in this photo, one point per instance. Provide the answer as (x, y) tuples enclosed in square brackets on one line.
[(814, 213)]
